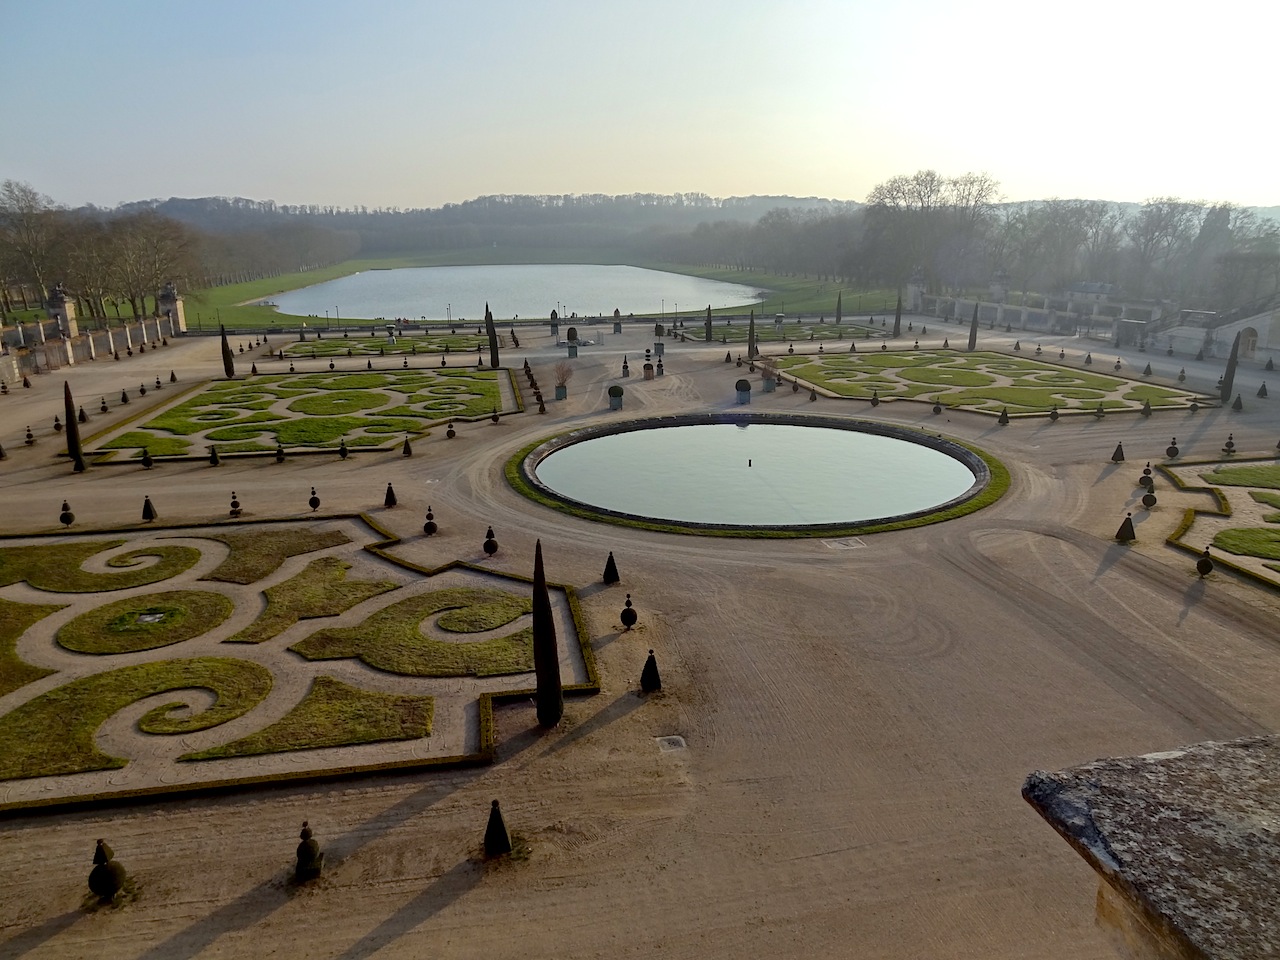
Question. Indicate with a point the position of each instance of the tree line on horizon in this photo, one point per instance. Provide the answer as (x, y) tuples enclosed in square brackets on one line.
[(954, 233)]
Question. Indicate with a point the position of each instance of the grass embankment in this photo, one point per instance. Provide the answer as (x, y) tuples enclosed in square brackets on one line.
[(787, 294)]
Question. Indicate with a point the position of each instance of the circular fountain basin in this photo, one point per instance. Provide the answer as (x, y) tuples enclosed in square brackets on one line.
[(745, 473)]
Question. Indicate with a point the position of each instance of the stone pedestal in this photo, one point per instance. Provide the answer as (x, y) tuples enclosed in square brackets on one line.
[(573, 350), (617, 326), (770, 384), (62, 310), (659, 348), (169, 305)]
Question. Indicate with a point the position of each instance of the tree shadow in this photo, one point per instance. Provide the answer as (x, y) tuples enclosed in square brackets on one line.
[(625, 703), (600, 643), (1110, 558), (593, 589), (447, 888), (1107, 471), (1190, 598), (249, 908), (28, 940)]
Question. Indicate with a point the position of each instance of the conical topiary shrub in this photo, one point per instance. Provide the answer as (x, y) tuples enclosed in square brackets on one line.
[(405, 449), (1146, 371), (1262, 390), (310, 858), (490, 544), (74, 450), (650, 679), (497, 840), (1239, 404), (1126, 533), (108, 876), (629, 616), (1003, 419), (148, 510), (546, 651), (1146, 408), (1118, 455), (214, 459), (611, 570), (228, 358), (390, 499)]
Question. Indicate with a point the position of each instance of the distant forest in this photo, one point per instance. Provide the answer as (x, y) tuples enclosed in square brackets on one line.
[(954, 233)]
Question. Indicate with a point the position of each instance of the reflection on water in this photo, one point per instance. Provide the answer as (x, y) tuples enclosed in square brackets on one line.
[(523, 290), (757, 474)]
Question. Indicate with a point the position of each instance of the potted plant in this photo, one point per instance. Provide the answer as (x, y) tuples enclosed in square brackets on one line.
[(564, 373), (615, 397)]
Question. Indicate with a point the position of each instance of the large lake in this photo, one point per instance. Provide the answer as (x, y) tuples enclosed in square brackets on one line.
[(519, 290)]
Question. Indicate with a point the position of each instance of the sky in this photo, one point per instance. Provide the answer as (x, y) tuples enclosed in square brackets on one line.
[(418, 103)]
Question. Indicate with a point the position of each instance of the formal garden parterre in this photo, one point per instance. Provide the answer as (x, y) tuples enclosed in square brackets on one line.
[(310, 411), (135, 665), (984, 382), (1241, 525)]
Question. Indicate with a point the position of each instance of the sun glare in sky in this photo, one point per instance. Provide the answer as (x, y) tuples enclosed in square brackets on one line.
[(414, 103)]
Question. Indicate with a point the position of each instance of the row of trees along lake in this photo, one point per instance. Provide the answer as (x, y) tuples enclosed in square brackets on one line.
[(955, 232)]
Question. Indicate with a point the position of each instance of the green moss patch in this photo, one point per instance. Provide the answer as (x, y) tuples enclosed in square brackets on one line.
[(321, 590), (335, 714), (392, 639), (57, 567), (15, 618), (259, 554), (145, 622), (54, 733)]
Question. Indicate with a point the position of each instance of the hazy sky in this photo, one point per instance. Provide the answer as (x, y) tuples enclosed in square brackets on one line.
[(411, 104)]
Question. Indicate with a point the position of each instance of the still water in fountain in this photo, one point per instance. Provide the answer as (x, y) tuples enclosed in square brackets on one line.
[(527, 291), (757, 474)]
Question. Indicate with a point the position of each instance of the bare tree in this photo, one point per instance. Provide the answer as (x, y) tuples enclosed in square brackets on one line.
[(29, 229)]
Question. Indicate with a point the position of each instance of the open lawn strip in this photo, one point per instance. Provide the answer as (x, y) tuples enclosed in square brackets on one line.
[(145, 622), (259, 554), (1270, 500), (54, 733), (15, 618), (767, 333), (56, 567), (320, 590), (391, 639), (334, 714)]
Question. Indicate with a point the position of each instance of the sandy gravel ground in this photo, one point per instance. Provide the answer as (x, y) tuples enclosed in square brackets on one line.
[(858, 722)]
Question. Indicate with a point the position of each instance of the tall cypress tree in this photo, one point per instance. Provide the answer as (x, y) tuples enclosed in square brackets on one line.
[(228, 358), (73, 430), (1229, 377), (897, 318), (708, 323), (546, 655), (839, 307), (973, 328), (751, 337), (493, 337)]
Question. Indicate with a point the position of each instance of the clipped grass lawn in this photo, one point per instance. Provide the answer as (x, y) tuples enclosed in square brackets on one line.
[(365, 347), (766, 332), (321, 590), (15, 618), (318, 410), (1262, 475), (145, 622), (257, 555), (986, 382), (393, 640), (57, 567), (54, 733), (335, 714), (1259, 542)]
